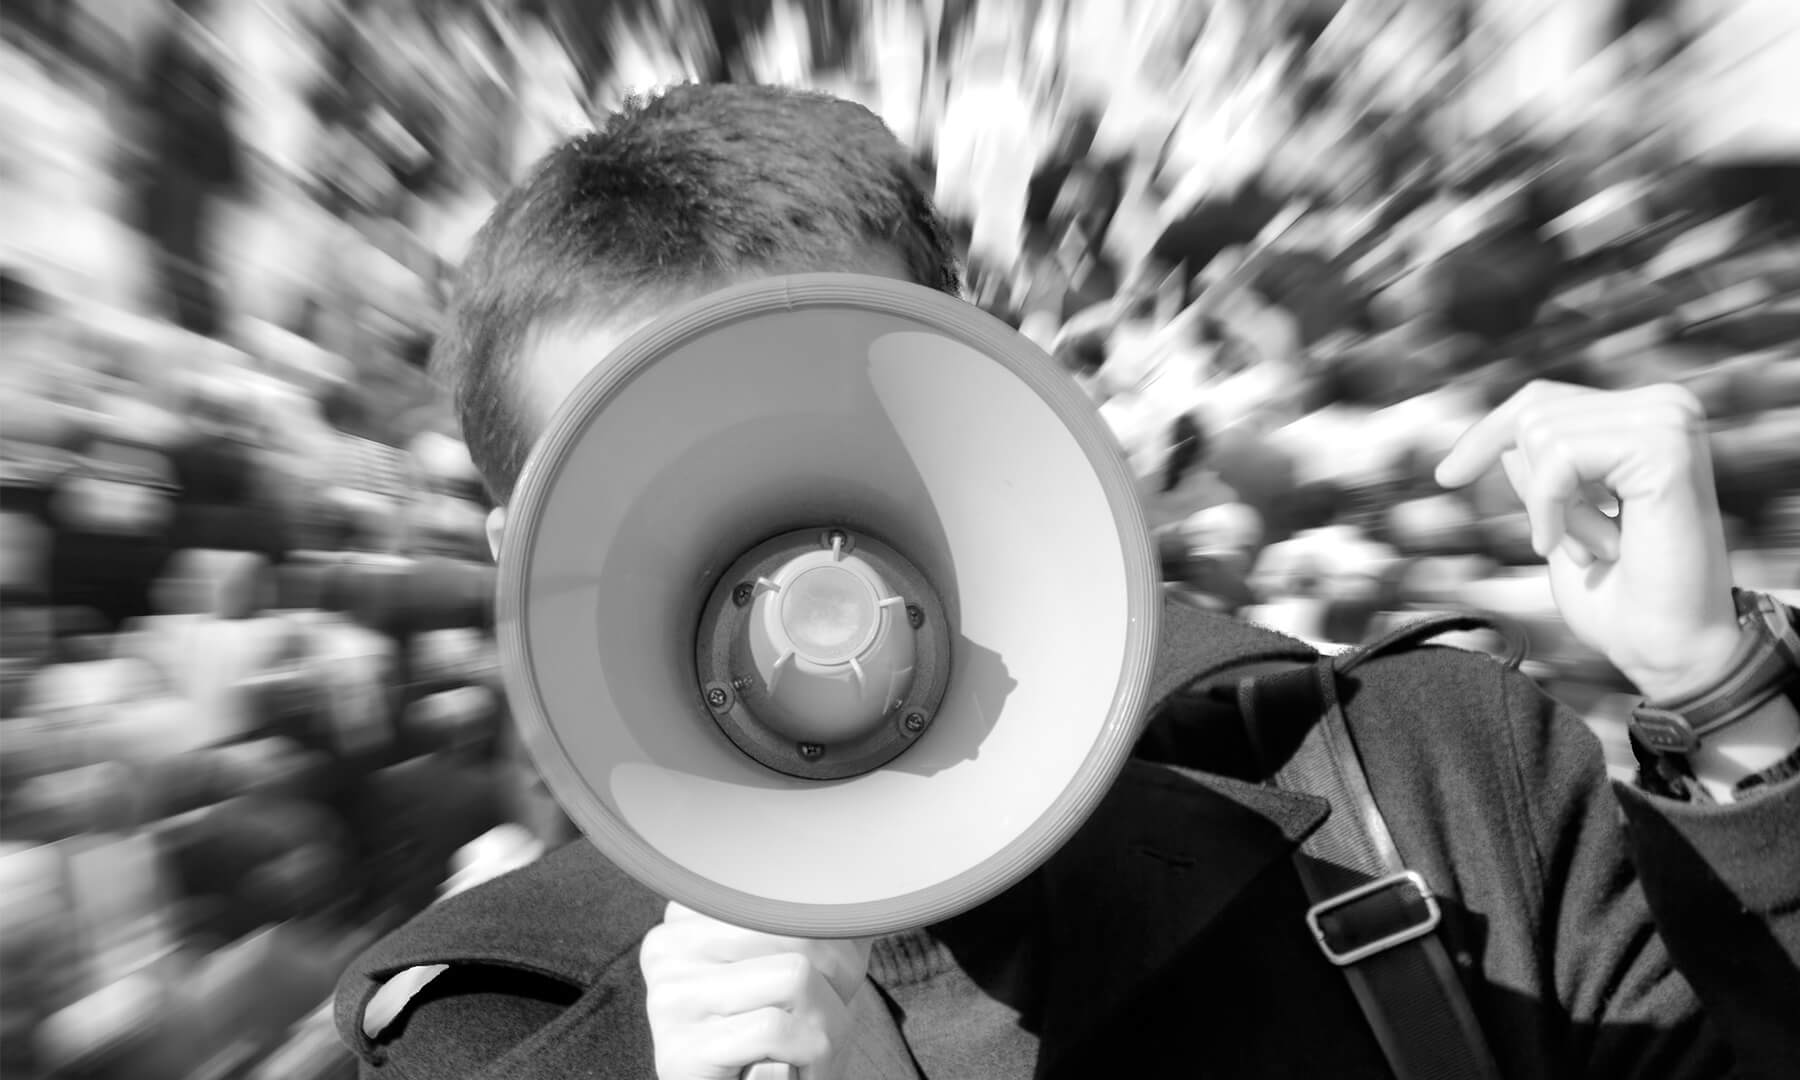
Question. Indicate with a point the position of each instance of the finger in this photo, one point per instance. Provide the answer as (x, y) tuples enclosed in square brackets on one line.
[(1600, 498), (1595, 531), (1614, 429), (1575, 552), (720, 943), (801, 1040), (1561, 505), (701, 942), (1478, 448), (676, 913), (788, 982), (1596, 446), (1545, 487)]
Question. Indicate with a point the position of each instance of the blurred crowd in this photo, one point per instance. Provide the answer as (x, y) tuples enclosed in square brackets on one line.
[(250, 715)]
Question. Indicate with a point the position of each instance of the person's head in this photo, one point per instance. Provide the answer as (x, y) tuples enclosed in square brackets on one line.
[(700, 187), (1081, 354), (1187, 448), (1090, 199), (200, 11), (1079, 126)]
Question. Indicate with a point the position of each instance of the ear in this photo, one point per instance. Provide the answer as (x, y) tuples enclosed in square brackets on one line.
[(496, 528)]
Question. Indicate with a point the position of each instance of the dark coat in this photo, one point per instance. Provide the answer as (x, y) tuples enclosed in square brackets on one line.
[(1166, 939)]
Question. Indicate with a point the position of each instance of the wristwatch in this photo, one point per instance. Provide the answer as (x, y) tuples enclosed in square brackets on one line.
[(1766, 665)]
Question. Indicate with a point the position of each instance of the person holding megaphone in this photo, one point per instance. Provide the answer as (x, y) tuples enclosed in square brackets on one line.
[(829, 615)]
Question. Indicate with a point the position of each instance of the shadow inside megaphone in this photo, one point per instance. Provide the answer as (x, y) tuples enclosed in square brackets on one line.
[(979, 687)]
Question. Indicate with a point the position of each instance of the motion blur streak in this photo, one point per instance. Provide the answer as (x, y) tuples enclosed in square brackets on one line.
[(249, 715)]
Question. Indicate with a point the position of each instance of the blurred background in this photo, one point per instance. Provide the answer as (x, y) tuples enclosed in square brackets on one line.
[(249, 709)]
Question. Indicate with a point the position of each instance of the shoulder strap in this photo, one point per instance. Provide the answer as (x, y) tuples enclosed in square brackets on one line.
[(1371, 916), (1417, 631)]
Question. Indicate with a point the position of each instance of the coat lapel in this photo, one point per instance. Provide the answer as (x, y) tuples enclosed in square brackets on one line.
[(1167, 851), (1165, 854)]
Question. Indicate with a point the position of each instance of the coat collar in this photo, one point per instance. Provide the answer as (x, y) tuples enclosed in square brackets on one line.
[(1165, 853)]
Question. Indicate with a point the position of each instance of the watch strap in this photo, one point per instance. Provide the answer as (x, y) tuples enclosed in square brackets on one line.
[(1766, 664)]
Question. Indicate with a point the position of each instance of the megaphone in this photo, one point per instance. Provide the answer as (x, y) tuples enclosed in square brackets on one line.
[(827, 607)]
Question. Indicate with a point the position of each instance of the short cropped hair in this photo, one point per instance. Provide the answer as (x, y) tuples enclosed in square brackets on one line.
[(675, 191)]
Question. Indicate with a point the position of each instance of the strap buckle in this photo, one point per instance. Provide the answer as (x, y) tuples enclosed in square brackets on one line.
[(1372, 925)]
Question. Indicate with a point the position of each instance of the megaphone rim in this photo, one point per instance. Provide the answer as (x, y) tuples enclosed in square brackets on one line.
[(1033, 845)]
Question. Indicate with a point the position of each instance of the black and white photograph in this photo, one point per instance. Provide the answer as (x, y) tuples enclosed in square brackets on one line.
[(899, 539)]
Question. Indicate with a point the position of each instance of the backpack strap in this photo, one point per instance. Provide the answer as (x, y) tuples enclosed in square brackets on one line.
[(1372, 917), (1419, 631)]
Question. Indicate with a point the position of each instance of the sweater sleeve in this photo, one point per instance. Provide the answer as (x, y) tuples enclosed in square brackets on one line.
[(1723, 882), (1671, 931), (1724, 885)]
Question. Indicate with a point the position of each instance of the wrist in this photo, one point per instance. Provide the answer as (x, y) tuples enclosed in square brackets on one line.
[(1742, 724), (1711, 658)]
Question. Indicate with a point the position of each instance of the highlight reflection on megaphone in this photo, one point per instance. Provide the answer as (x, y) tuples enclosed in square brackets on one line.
[(827, 607)]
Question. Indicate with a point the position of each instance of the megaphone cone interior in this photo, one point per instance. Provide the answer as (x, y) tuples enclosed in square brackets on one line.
[(963, 468)]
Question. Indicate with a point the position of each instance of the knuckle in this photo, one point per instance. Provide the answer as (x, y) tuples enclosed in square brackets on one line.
[(796, 971), (769, 1026), (814, 1045), (1683, 399), (1672, 426), (672, 999), (809, 1038), (1547, 490), (1537, 391), (1677, 469), (1536, 434), (1683, 445), (651, 956), (659, 1000)]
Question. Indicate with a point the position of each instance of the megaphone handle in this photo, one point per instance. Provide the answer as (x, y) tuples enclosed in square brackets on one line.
[(770, 1070)]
